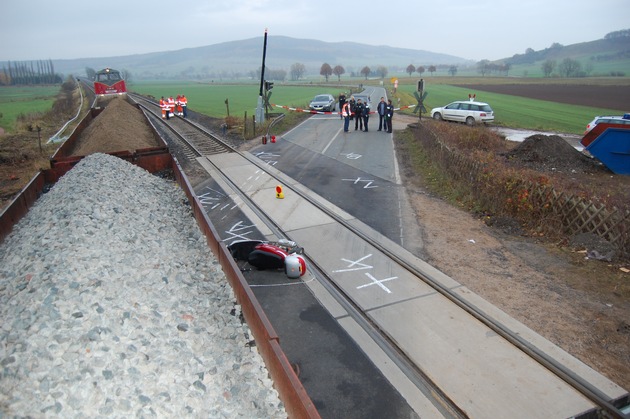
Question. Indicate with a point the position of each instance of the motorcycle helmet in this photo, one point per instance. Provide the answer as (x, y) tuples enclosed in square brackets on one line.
[(294, 266)]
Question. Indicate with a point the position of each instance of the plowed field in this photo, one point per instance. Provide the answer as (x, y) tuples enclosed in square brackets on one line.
[(609, 97)]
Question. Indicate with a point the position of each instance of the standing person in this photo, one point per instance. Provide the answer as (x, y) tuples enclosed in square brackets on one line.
[(178, 106), (380, 109), (358, 113), (389, 115), (345, 112), (342, 101), (366, 116), (171, 106), (352, 103), (163, 108), (184, 103)]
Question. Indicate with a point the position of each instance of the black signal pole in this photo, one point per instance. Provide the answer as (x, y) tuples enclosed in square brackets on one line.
[(260, 115)]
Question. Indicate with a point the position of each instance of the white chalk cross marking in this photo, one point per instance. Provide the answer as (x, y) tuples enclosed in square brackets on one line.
[(355, 265), (239, 232), (378, 282)]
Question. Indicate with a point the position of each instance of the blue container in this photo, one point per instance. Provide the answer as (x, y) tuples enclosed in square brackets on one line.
[(612, 147)]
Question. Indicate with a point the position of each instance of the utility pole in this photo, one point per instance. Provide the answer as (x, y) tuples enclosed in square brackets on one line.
[(260, 114)]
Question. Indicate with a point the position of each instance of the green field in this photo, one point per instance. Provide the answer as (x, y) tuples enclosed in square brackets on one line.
[(515, 111), (209, 99), (24, 100)]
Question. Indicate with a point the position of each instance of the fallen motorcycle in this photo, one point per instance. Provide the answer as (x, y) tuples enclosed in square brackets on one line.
[(283, 254)]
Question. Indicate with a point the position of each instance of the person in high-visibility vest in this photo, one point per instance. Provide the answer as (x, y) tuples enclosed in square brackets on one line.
[(184, 104), (178, 106), (164, 108), (346, 112), (171, 106)]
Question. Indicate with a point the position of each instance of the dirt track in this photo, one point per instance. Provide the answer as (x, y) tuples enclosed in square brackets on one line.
[(609, 97)]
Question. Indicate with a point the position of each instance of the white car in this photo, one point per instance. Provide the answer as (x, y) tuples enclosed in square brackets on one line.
[(619, 120), (467, 111)]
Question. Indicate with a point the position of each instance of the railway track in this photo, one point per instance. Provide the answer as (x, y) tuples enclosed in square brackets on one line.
[(199, 142), (196, 140)]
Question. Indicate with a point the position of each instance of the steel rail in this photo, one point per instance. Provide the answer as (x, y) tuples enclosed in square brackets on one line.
[(568, 376), (560, 370), (446, 406)]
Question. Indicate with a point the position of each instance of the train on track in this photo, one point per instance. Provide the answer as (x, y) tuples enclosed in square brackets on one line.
[(109, 82)]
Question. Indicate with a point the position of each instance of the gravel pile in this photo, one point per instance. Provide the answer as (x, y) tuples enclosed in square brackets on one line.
[(120, 126), (111, 304)]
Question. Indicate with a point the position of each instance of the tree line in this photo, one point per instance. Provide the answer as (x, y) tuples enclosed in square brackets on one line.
[(381, 71), (19, 73), (298, 71)]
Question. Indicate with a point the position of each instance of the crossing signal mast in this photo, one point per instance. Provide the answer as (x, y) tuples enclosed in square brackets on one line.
[(260, 114), (420, 96), (267, 96)]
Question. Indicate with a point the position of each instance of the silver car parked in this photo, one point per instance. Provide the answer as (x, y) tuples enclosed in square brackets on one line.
[(323, 103)]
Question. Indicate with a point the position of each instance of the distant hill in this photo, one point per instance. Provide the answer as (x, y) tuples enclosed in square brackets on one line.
[(599, 50), (226, 59), (603, 57), (237, 59)]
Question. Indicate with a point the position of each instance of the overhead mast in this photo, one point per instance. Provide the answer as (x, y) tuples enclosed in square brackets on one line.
[(260, 114)]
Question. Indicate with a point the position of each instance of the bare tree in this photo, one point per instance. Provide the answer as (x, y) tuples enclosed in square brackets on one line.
[(569, 67), (338, 71), (365, 71), (548, 66), (411, 69), (432, 69), (126, 75), (420, 69), (297, 71), (483, 67), (381, 70), (326, 71), (20, 72)]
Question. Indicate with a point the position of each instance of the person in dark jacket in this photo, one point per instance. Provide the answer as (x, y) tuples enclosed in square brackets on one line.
[(358, 113), (366, 116), (342, 101), (380, 109), (353, 104), (389, 114)]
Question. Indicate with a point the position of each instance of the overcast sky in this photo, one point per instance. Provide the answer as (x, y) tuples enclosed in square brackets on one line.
[(471, 29)]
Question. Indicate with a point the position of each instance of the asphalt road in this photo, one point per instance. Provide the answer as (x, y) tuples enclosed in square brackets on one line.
[(356, 171)]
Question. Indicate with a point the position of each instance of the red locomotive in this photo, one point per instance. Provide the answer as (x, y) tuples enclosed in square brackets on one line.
[(109, 82)]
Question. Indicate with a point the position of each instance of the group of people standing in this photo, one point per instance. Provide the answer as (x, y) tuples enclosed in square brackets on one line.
[(360, 112), (171, 107)]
